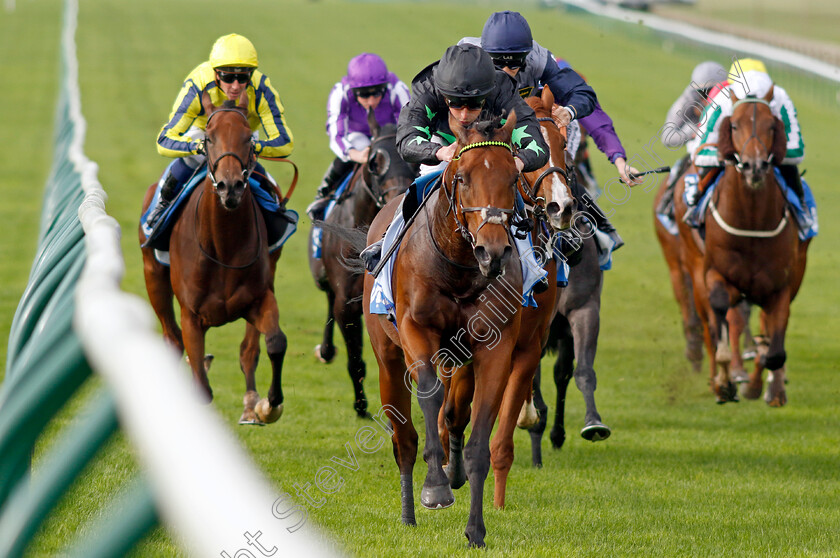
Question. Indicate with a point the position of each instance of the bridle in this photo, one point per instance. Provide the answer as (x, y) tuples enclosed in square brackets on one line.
[(212, 166), (378, 196), (489, 214), (754, 134), (530, 193)]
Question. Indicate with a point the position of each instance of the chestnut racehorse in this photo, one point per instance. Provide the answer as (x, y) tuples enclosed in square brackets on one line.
[(457, 286), (384, 176), (220, 268), (751, 250)]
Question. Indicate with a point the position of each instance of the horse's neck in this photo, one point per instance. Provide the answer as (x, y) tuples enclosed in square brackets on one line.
[(362, 205), (226, 231), (445, 232)]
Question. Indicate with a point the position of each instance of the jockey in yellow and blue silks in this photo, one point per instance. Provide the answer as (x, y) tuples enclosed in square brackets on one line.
[(231, 68)]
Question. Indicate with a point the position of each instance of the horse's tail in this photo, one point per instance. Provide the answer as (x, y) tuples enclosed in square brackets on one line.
[(355, 237)]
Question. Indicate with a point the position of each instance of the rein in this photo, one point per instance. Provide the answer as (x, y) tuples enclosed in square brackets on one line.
[(530, 192)]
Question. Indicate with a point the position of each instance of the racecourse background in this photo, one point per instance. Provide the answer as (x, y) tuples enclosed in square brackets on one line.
[(670, 439)]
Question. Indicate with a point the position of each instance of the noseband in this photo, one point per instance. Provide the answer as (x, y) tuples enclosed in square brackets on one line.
[(489, 214), (212, 166), (753, 101)]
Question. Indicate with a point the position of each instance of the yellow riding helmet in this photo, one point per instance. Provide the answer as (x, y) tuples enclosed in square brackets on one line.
[(747, 65), (233, 51)]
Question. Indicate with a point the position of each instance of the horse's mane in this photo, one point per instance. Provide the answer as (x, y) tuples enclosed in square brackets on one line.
[(388, 129), (486, 127)]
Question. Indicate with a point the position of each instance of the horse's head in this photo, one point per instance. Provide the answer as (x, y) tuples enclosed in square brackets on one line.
[(753, 139), (549, 189), (480, 183), (229, 149), (386, 172)]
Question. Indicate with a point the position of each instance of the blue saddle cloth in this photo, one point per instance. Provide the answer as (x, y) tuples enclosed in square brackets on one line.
[(281, 223), (382, 297), (316, 234), (805, 217)]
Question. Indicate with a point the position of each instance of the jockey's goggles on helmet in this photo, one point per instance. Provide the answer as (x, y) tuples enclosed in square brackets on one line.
[(470, 103), (373, 91), (230, 77), (513, 61)]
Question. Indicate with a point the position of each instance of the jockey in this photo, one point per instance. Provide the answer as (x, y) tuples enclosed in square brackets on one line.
[(683, 118), (368, 84), (748, 77), (507, 38), (231, 69), (465, 84)]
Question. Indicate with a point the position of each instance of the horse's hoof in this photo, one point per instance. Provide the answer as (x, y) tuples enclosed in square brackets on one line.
[(528, 415), (409, 521), (437, 497), (456, 474), (595, 432), (360, 406), (739, 376), (751, 391), (749, 354), (266, 413), (325, 359), (246, 420), (208, 360), (558, 438)]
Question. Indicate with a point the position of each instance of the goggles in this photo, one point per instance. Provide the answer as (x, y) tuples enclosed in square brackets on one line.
[(470, 103), (365, 92), (512, 61), (230, 77)]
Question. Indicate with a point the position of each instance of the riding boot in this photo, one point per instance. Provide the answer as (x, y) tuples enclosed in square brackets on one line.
[(372, 254), (336, 171), (602, 223), (666, 203), (168, 192), (791, 175)]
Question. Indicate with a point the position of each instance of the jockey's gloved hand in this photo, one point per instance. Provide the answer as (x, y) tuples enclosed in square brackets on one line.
[(199, 147)]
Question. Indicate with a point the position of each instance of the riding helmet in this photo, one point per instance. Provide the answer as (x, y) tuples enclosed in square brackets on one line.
[(506, 32), (233, 51), (465, 71), (366, 70)]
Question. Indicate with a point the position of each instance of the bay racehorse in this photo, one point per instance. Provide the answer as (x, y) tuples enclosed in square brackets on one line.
[(373, 184), (751, 247), (220, 268), (457, 287)]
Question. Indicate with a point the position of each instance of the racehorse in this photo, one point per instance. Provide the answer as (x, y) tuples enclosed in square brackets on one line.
[(550, 205), (457, 288), (220, 268), (373, 184), (751, 247)]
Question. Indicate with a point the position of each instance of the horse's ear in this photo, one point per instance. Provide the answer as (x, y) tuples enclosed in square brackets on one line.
[(726, 149), (372, 123), (779, 149), (507, 129), (207, 104), (733, 96), (769, 96), (547, 98), (459, 131)]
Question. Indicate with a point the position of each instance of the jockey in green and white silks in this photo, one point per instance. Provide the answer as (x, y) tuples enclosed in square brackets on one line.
[(747, 77)]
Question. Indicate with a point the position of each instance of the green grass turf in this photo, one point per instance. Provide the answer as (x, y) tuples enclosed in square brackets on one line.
[(680, 476)]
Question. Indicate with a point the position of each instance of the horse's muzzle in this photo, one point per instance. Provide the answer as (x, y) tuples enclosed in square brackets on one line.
[(560, 214), (492, 262)]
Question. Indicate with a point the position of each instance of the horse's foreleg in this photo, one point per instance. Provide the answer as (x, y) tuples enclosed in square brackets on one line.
[(777, 313), (519, 386), (159, 288), (456, 413), (737, 319), (325, 350), (348, 316), (266, 320), (720, 300), (249, 354), (538, 429), (586, 324), (194, 343), (563, 372)]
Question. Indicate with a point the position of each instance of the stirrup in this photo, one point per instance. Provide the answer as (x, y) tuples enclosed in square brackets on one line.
[(371, 255)]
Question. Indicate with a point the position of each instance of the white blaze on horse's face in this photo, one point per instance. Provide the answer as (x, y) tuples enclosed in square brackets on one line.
[(559, 215)]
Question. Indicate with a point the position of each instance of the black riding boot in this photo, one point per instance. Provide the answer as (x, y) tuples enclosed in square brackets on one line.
[(336, 171), (588, 204), (794, 181), (666, 202), (168, 192)]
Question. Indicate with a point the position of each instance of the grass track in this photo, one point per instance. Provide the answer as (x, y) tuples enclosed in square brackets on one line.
[(680, 476)]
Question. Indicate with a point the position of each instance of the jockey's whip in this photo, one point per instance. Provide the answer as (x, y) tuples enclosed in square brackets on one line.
[(635, 175)]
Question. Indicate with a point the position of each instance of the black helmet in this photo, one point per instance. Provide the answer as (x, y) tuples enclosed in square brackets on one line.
[(506, 32), (465, 71)]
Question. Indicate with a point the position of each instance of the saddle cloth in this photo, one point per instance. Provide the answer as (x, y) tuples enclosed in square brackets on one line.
[(316, 234), (281, 223)]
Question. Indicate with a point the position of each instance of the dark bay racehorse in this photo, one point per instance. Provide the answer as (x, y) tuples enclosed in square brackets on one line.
[(457, 289), (751, 247), (379, 180), (220, 267)]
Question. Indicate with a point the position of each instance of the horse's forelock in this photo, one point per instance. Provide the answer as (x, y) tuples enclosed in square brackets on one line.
[(228, 103)]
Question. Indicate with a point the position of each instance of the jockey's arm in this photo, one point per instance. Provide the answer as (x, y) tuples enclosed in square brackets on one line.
[(416, 126), (279, 141), (569, 89), (172, 141)]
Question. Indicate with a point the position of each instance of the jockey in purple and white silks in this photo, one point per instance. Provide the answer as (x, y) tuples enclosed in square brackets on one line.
[(368, 84)]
